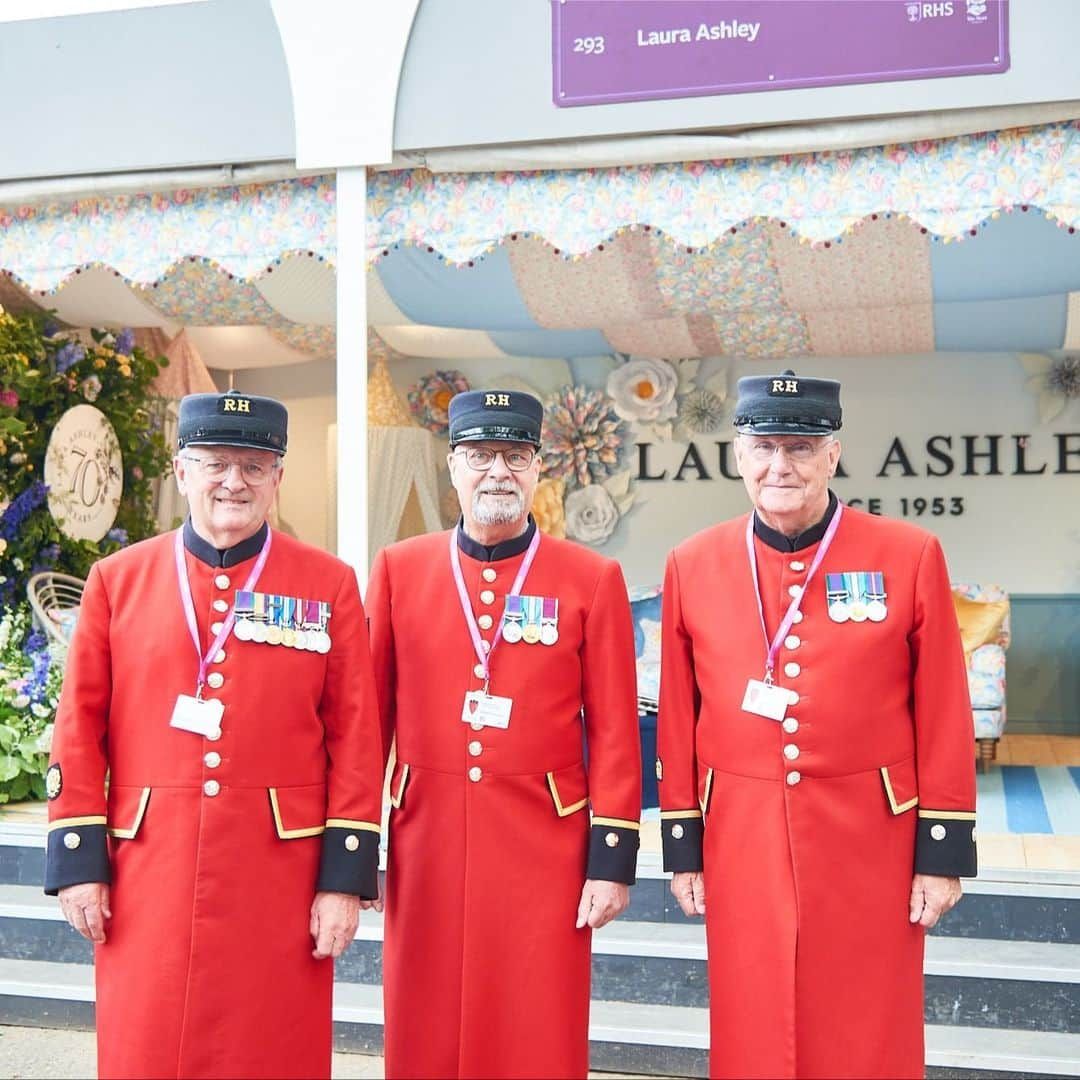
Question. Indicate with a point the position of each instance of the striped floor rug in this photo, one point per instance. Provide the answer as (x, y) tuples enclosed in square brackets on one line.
[(1029, 799)]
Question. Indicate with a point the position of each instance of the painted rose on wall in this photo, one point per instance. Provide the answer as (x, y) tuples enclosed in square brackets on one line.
[(591, 514)]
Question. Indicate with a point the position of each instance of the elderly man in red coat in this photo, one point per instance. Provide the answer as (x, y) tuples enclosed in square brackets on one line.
[(505, 668), (220, 677), (815, 759)]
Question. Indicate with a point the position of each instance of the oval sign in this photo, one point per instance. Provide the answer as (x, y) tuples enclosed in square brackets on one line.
[(85, 473)]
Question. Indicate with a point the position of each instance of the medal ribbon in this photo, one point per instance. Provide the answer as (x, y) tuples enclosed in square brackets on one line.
[(773, 647), (189, 604), (466, 605)]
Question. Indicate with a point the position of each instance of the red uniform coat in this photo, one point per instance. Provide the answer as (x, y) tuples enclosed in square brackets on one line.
[(207, 967), (484, 973), (813, 829)]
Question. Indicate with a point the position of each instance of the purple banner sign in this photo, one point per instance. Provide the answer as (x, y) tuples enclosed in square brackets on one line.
[(640, 50)]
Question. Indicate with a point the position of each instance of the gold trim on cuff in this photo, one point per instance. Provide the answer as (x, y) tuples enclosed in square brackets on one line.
[(395, 800), (670, 815), (129, 834), (948, 815), (897, 808), (617, 823), (73, 822), (290, 834), (563, 811), (345, 823)]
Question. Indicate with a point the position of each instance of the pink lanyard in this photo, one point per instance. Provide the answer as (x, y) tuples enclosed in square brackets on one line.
[(796, 601), (466, 606), (189, 605)]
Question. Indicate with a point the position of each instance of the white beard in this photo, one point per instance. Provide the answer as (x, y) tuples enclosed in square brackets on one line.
[(502, 513)]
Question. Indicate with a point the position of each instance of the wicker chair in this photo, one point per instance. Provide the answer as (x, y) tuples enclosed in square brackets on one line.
[(54, 599)]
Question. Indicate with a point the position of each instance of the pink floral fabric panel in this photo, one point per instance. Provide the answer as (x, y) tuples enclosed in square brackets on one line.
[(658, 339), (883, 263), (869, 331), (615, 283)]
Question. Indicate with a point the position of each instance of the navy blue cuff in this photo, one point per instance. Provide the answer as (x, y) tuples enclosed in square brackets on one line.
[(613, 854), (945, 846), (682, 839), (76, 854), (350, 862)]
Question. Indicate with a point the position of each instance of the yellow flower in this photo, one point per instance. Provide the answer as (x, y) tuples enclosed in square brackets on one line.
[(104, 350), (125, 370), (99, 363), (23, 359), (547, 508), (3, 545)]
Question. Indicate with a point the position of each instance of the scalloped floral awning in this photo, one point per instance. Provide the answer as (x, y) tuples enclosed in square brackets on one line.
[(703, 259), (947, 187)]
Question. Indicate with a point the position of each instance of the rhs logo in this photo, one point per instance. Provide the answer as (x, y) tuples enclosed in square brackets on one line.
[(916, 12)]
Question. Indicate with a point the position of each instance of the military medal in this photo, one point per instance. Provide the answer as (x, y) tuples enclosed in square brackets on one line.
[(530, 632), (245, 611), (549, 622), (837, 597), (512, 620), (322, 637), (259, 627), (288, 634), (876, 609)]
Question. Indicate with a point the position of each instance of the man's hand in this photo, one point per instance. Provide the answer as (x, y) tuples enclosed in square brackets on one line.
[(602, 901), (932, 896), (86, 907), (689, 889), (334, 917), (377, 903)]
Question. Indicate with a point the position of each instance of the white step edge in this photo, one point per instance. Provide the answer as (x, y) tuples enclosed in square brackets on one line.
[(621, 1022), (1030, 961), (1051, 1052)]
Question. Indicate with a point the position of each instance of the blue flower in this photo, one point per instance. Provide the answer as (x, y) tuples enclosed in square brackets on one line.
[(20, 508), (50, 328), (69, 356), (125, 342), (117, 536)]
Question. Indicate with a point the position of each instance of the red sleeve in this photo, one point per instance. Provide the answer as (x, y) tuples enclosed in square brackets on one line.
[(681, 824), (382, 647)]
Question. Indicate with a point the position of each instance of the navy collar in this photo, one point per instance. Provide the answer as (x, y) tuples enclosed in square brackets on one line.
[(205, 552), (805, 539), (506, 550)]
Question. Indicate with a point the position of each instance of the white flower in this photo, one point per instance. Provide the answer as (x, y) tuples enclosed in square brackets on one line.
[(591, 514), (44, 740), (20, 701), (18, 564), (643, 390), (39, 710), (1056, 380)]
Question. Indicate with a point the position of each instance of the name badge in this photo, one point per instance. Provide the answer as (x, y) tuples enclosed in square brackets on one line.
[(203, 717), (481, 708), (761, 699)]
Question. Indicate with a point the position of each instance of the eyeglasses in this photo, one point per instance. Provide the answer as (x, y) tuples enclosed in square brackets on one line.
[(481, 458), (255, 473), (763, 450)]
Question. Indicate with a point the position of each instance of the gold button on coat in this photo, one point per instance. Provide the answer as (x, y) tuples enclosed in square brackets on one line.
[(213, 736), (476, 748), (478, 671), (791, 751), (792, 641), (222, 581), (612, 839), (798, 617), (488, 574), (475, 773), (221, 605), (476, 725), (215, 680), (211, 788), (793, 778), (215, 627), (793, 697), (212, 760), (937, 832), (487, 597), (220, 658), (352, 842), (794, 590), (791, 670), (72, 840), (790, 725), (677, 831), (484, 622), (797, 566)]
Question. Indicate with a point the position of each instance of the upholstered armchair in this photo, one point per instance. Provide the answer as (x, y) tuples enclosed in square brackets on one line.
[(983, 614)]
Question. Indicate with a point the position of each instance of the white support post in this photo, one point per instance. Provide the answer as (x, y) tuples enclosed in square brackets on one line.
[(352, 373)]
